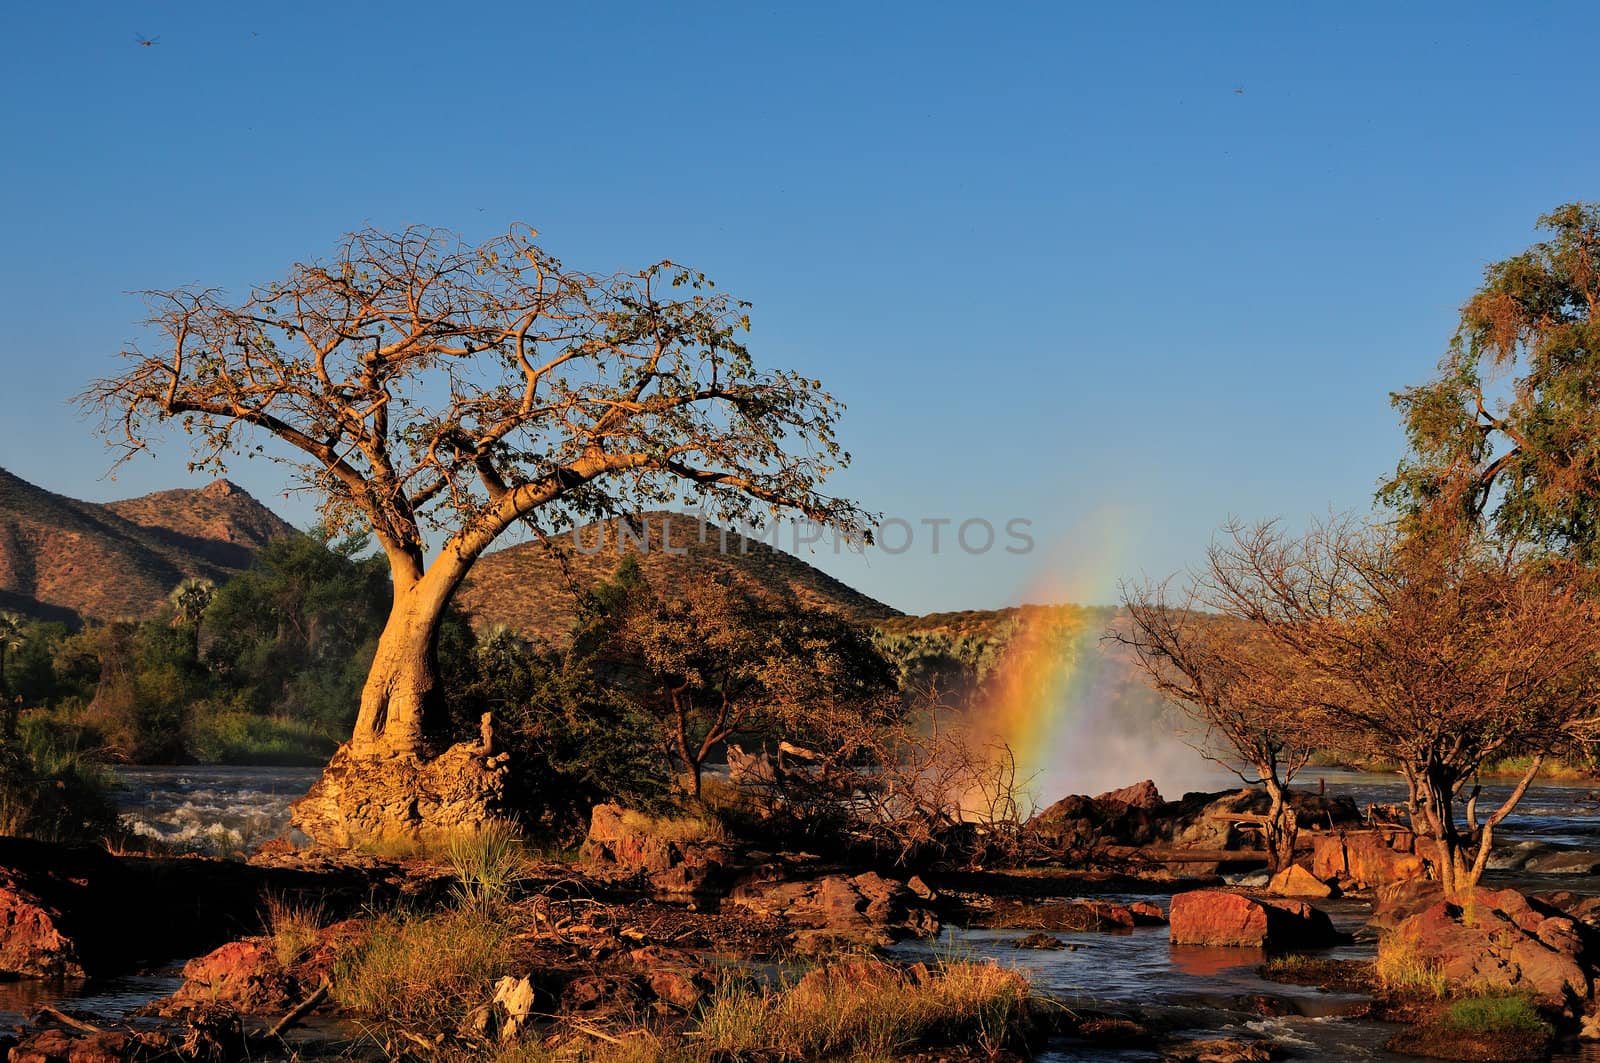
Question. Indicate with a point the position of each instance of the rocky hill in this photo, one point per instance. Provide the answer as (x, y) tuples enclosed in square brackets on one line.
[(64, 559), (532, 587)]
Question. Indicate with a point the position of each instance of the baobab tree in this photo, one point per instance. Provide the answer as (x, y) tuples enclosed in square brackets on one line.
[(1233, 682), (418, 385)]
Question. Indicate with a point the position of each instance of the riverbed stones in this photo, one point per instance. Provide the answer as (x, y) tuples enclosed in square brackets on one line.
[(868, 908), (1217, 917), (1367, 859), (358, 800), (1500, 940), (1296, 881), (32, 944)]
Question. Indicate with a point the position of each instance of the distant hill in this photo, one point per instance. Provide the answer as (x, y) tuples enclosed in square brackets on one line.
[(532, 589), (64, 559)]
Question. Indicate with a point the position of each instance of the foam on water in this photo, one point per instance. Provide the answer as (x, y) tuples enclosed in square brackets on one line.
[(211, 809)]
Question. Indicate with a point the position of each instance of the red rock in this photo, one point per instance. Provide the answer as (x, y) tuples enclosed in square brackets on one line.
[(1368, 858), (1499, 941), (672, 975), (1216, 917), (109, 1046), (1147, 913), (31, 942), (1139, 795), (242, 974)]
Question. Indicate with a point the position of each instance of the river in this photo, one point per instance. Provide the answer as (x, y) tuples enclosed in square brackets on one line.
[(227, 810)]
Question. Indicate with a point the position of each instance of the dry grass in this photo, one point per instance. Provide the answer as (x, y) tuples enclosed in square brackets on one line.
[(867, 1009), (1401, 968), (423, 974), (685, 829), (294, 927)]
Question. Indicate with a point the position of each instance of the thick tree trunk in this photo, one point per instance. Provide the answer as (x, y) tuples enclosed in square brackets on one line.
[(401, 688), (400, 698)]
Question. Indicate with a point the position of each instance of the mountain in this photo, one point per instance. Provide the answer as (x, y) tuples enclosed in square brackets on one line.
[(64, 559), (532, 587)]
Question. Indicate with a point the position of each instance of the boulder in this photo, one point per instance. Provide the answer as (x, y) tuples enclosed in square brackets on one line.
[(363, 799), (1399, 901), (867, 907), (244, 975), (71, 1046), (32, 944), (680, 871), (1055, 914), (1139, 795), (1147, 913), (1296, 881), (1217, 917), (1500, 940), (1367, 858), (672, 975)]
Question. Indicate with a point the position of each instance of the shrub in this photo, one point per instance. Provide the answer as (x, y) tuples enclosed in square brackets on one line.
[(231, 736), (1495, 1013), (53, 791), (487, 863)]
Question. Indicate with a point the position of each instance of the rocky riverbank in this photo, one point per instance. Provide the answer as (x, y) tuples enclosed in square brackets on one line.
[(663, 941)]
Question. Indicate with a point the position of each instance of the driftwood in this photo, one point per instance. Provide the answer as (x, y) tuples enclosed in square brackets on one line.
[(66, 1020), (301, 1010)]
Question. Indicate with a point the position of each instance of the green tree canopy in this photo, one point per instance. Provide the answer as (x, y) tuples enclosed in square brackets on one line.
[(1508, 431)]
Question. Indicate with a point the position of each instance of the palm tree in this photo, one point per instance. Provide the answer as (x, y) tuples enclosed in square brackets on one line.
[(12, 637), (189, 601)]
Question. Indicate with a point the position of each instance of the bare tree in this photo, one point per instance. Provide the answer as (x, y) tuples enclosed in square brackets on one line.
[(419, 384), (1442, 653), (1235, 683)]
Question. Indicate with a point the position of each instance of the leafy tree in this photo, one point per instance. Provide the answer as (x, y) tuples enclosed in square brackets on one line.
[(294, 635), (722, 659), (1508, 430), (12, 637), (418, 383)]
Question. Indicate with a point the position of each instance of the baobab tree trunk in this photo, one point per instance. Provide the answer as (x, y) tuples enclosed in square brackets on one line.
[(401, 691), (384, 783)]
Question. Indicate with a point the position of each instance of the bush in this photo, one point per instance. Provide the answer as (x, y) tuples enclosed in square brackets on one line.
[(231, 736), (51, 790), (295, 927), (487, 863), (1495, 1013)]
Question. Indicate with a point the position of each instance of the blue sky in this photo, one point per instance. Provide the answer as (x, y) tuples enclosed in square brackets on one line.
[(1057, 264)]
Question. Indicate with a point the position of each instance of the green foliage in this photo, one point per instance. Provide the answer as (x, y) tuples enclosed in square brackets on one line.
[(51, 790), (1508, 430), (1495, 1013), (263, 669), (487, 863)]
